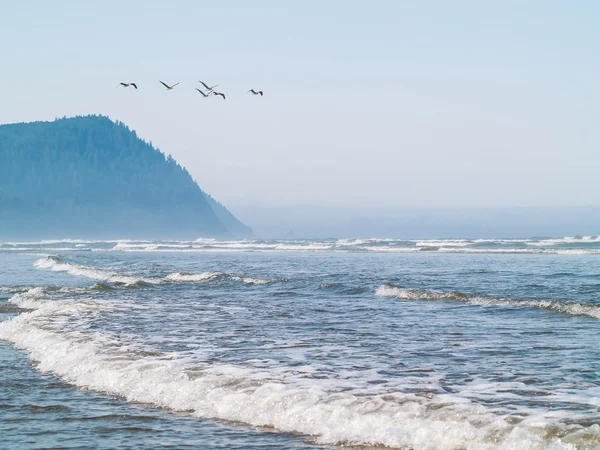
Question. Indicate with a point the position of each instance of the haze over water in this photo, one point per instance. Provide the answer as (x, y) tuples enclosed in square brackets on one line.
[(303, 343)]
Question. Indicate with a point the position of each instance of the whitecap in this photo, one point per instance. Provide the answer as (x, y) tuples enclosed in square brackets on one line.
[(575, 309)]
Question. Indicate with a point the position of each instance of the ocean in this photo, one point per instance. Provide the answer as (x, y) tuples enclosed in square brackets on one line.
[(301, 344)]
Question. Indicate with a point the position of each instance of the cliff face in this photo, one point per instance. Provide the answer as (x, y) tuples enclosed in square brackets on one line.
[(91, 177)]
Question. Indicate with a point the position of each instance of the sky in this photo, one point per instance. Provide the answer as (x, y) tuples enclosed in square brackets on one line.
[(385, 103)]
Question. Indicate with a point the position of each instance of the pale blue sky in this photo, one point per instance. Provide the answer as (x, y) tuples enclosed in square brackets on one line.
[(391, 103)]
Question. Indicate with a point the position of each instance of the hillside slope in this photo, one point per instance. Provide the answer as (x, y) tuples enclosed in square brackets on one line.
[(91, 177)]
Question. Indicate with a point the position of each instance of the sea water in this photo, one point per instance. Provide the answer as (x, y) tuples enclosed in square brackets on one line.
[(447, 344)]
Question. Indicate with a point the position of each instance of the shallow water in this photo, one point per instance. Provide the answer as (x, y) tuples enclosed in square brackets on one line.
[(296, 344)]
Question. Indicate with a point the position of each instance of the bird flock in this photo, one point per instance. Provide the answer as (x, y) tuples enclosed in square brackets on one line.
[(210, 90)]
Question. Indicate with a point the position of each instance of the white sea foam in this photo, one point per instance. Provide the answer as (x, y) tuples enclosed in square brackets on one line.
[(575, 309), (560, 246), (46, 249), (577, 245), (358, 242), (287, 401), (280, 246), (54, 263), (37, 298), (77, 248), (194, 277), (205, 276), (303, 247), (565, 240), (351, 242), (248, 280), (444, 243), (29, 299), (134, 245), (47, 242), (522, 251), (65, 241), (392, 249), (222, 246), (205, 240), (13, 289)]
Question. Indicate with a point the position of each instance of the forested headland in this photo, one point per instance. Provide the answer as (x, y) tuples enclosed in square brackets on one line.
[(86, 177)]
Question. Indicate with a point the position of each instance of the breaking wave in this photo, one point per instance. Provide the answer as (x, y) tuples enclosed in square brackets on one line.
[(286, 399), (205, 276), (574, 245), (563, 246), (57, 264), (575, 309), (194, 277), (45, 296)]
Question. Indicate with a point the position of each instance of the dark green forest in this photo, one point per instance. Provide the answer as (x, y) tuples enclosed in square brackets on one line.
[(92, 177)]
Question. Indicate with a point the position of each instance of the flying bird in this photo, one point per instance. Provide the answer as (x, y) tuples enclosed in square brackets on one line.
[(128, 84), (256, 92), (218, 93), (205, 95), (167, 86), (210, 88)]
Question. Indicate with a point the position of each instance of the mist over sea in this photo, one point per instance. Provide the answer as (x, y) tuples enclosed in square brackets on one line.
[(423, 344)]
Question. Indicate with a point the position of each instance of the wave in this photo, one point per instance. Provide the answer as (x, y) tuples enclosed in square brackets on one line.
[(432, 246), (578, 245), (46, 249), (288, 400), (569, 240), (57, 264), (444, 243), (13, 289), (575, 309), (102, 287), (149, 246), (575, 245), (39, 296), (30, 298), (205, 276), (248, 280), (65, 241), (194, 277), (222, 246), (496, 251)]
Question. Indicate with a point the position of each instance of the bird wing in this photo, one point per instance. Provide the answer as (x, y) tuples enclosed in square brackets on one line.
[(134, 85), (222, 95), (201, 92), (252, 90), (174, 85), (204, 84), (165, 85), (261, 93)]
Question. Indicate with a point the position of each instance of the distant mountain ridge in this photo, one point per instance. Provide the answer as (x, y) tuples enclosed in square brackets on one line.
[(92, 177)]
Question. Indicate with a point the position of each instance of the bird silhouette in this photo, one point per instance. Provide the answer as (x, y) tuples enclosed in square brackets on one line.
[(256, 92), (209, 88), (205, 95), (170, 88), (128, 84)]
